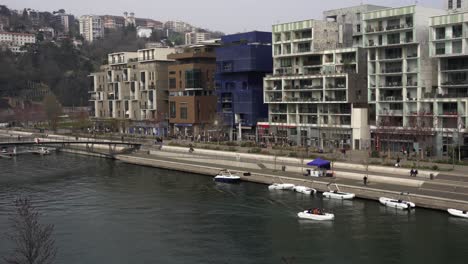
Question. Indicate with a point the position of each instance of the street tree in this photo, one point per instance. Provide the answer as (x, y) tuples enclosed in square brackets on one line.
[(33, 241), (53, 110)]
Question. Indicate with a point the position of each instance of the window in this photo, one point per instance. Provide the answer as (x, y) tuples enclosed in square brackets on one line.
[(358, 28), (450, 4), (193, 79), (440, 33), (457, 47), (457, 31), (440, 48), (458, 3), (172, 83), (183, 111), (172, 110)]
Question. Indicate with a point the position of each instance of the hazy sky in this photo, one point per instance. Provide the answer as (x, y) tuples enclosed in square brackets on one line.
[(229, 16)]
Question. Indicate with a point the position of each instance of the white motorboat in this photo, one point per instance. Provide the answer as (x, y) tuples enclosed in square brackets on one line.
[(42, 151), (399, 204), (305, 190), (308, 214), (339, 195), (281, 186), (227, 177), (458, 213)]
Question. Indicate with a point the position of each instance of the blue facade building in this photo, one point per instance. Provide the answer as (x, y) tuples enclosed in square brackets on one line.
[(241, 63)]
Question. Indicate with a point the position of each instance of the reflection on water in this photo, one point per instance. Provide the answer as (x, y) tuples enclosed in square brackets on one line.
[(111, 212)]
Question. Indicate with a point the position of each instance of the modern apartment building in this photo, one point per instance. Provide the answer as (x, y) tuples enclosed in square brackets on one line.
[(91, 27), (178, 26), (66, 20), (193, 37), (447, 102), (192, 102), (242, 62), (316, 95), (351, 15), (400, 74), (16, 41), (133, 87)]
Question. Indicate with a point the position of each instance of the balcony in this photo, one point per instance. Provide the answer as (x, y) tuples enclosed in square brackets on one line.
[(392, 70), (391, 98), (391, 113)]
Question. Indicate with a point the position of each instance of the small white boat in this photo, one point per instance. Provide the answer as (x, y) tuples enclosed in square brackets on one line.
[(42, 151), (227, 177), (458, 213), (319, 217), (399, 204), (281, 186), (339, 195), (305, 190)]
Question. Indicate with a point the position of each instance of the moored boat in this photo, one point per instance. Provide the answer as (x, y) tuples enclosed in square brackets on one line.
[(281, 186), (339, 195), (458, 213), (310, 215), (227, 177), (399, 204), (304, 190)]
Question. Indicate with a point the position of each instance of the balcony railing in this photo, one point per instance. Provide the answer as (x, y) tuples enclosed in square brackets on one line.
[(391, 98)]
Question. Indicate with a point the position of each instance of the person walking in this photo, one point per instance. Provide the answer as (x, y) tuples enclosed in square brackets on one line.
[(365, 179)]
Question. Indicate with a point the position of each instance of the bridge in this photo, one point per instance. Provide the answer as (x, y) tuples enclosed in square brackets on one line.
[(90, 145)]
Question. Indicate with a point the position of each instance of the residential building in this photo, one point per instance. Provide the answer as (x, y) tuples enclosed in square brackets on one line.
[(144, 32), (91, 27), (192, 101), (16, 41), (149, 23), (178, 26), (193, 37), (351, 15), (113, 22), (447, 102), (400, 74), (133, 87), (65, 20), (242, 62), (316, 95)]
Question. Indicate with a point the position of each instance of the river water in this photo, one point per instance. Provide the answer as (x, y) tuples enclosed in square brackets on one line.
[(110, 212)]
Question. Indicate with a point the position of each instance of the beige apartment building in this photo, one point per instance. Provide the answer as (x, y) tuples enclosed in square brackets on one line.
[(133, 88)]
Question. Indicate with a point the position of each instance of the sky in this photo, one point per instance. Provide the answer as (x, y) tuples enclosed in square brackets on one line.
[(228, 16)]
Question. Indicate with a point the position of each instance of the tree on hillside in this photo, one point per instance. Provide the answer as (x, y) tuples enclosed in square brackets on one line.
[(33, 241), (53, 110)]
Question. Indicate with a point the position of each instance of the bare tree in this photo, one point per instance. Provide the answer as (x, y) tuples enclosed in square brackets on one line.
[(53, 110), (33, 241)]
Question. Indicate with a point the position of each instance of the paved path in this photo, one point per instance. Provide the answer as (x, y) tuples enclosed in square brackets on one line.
[(444, 189)]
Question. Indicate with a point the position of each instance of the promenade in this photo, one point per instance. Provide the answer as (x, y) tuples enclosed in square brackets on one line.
[(444, 190)]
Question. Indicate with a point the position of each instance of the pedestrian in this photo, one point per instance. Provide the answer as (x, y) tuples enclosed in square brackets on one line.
[(122, 138), (365, 179)]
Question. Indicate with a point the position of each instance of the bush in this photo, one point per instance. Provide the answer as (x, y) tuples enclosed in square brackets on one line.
[(375, 154), (255, 150), (265, 152), (435, 167), (248, 144), (292, 155), (232, 144), (232, 149)]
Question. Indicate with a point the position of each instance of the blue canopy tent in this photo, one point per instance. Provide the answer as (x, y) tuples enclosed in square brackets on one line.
[(320, 163)]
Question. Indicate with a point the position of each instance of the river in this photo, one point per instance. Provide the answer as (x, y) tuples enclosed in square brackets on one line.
[(110, 212)]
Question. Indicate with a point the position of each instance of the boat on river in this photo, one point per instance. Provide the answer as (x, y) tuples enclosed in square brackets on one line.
[(281, 186), (42, 151), (227, 177), (304, 190), (310, 215), (339, 195), (399, 204), (458, 213)]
